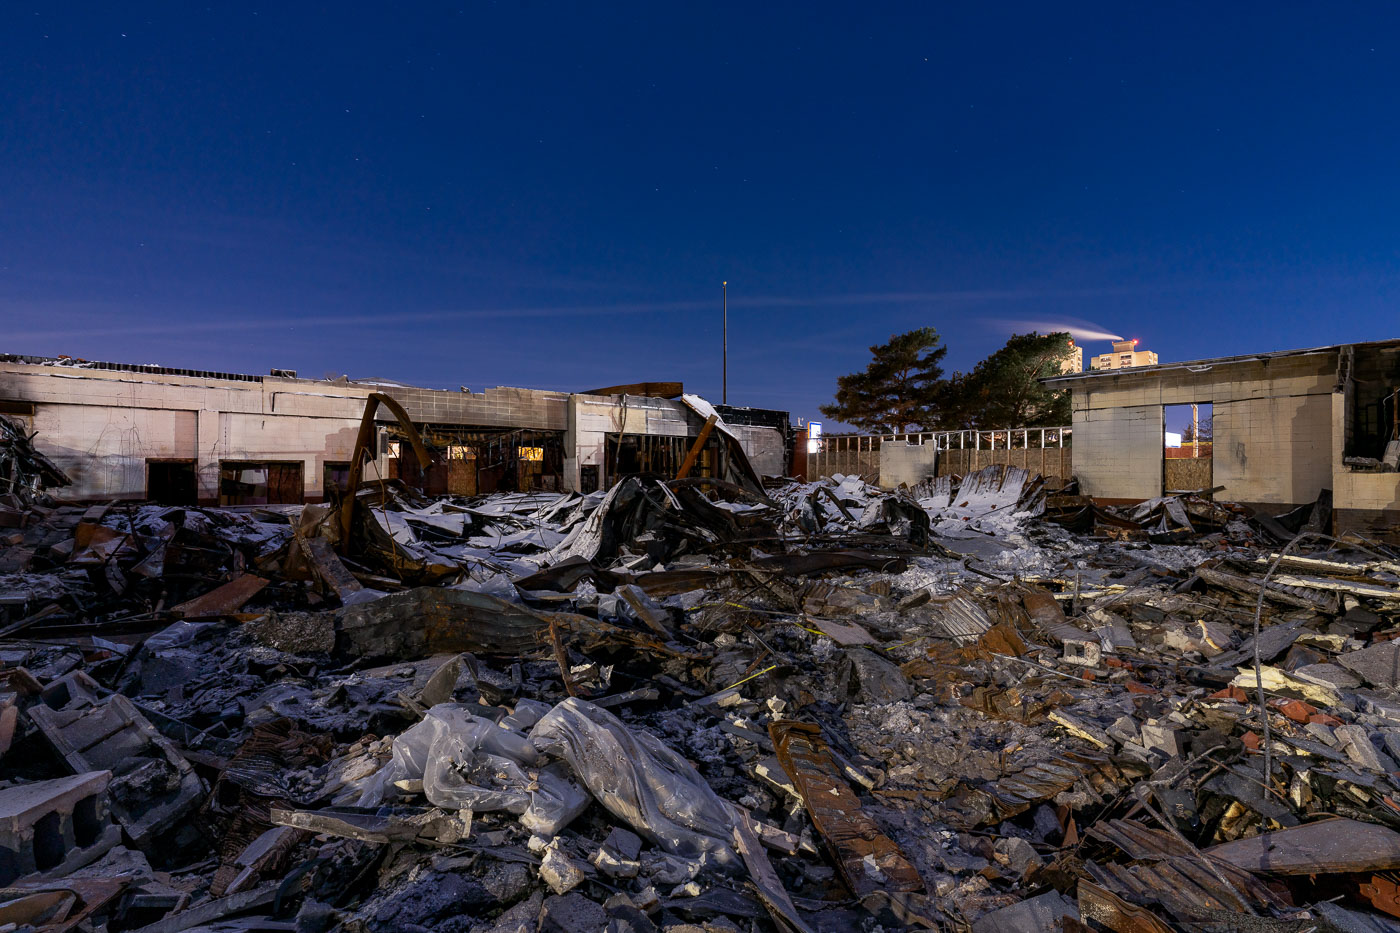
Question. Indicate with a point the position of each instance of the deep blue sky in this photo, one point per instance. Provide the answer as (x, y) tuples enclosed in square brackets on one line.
[(549, 195)]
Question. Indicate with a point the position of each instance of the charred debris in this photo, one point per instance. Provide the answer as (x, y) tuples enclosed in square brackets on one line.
[(690, 704)]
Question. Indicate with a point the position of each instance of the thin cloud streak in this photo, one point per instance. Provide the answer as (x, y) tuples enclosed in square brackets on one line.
[(234, 321), (1079, 329)]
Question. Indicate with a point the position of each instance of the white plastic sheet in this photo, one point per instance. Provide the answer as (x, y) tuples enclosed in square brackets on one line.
[(640, 781), (466, 762)]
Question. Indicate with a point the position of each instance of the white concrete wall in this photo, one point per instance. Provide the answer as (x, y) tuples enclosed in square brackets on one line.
[(907, 464), (593, 417), (103, 449), (102, 426)]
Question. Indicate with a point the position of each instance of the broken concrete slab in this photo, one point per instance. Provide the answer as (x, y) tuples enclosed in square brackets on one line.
[(1378, 665), (877, 679), (1042, 914)]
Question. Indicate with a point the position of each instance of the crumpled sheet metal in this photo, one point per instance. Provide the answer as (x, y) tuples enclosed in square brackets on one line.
[(742, 472), (816, 562), (640, 781), (1190, 885), (23, 468), (433, 620), (1017, 792), (469, 763), (869, 860), (962, 619), (1112, 912), (995, 498)]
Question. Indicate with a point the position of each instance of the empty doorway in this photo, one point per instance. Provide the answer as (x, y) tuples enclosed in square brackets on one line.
[(1187, 447), (172, 482)]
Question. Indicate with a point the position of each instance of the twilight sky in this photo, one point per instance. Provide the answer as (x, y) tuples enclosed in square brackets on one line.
[(549, 195)]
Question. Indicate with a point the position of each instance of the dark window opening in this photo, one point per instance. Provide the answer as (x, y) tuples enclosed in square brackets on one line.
[(264, 483), (1373, 418), (172, 482), (588, 478), (335, 478)]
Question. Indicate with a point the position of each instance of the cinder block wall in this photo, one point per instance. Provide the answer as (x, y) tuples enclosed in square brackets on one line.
[(1274, 450), (501, 407), (101, 426), (1273, 421), (765, 448), (591, 418), (1119, 451)]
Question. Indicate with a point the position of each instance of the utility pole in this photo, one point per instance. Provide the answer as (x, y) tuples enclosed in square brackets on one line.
[(724, 390)]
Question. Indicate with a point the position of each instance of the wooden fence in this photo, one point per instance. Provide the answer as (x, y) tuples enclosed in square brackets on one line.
[(1047, 451)]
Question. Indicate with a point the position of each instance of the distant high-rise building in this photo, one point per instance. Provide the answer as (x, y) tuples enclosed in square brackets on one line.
[(1074, 363), (1125, 355)]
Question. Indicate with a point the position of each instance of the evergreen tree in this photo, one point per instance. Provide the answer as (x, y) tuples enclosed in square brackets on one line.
[(1004, 390), (898, 391)]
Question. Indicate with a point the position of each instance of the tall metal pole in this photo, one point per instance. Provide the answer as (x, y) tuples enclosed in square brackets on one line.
[(724, 391)]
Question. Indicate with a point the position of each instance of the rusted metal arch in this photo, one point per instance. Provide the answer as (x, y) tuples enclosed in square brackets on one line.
[(362, 449)]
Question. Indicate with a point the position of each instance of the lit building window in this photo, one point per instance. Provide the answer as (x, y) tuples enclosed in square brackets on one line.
[(532, 454)]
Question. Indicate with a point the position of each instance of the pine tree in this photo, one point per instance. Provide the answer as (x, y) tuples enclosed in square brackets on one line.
[(1004, 390), (898, 391)]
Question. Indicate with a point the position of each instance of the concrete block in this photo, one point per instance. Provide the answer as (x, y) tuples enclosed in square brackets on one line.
[(45, 824), (906, 464), (1041, 914), (560, 872), (1328, 675), (158, 784), (1086, 652)]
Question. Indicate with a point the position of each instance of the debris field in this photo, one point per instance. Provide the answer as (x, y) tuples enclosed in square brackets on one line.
[(984, 703)]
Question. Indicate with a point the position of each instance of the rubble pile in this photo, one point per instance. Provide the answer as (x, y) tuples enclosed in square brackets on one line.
[(24, 474), (979, 704)]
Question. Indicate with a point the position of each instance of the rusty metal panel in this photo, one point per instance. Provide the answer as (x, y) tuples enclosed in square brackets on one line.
[(223, 600), (855, 841)]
